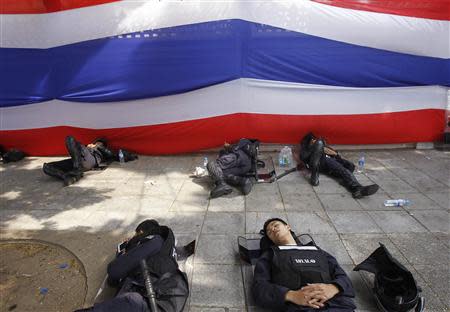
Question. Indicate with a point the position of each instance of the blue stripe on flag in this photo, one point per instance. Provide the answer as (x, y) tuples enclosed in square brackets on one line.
[(184, 58)]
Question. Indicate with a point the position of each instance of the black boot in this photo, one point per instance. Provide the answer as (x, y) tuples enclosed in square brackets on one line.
[(72, 177), (244, 183), (216, 174), (314, 161), (365, 191), (74, 149), (67, 177), (53, 171)]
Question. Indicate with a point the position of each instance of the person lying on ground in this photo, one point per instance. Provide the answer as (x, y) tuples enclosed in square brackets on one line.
[(293, 277), (12, 155), (232, 168), (83, 158), (156, 244), (318, 157)]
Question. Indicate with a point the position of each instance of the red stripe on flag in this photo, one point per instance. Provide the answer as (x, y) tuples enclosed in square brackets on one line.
[(432, 9), (190, 136), (45, 6)]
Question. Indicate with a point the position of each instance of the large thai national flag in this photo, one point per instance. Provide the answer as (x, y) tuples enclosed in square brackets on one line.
[(161, 76)]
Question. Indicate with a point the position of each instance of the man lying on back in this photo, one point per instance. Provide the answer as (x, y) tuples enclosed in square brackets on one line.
[(298, 278)]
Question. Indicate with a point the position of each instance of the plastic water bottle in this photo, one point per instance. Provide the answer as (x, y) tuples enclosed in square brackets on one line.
[(280, 158), (205, 162), (289, 156), (361, 163), (397, 202), (121, 157), (285, 157)]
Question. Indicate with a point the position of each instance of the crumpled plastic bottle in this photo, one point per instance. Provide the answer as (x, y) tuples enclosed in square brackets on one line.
[(397, 202)]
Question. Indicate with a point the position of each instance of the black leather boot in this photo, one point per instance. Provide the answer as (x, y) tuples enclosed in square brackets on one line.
[(53, 171), (314, 161), (216, 174), (244, 183), (74, 149), (67, 177), (72, 177), (367, 190)]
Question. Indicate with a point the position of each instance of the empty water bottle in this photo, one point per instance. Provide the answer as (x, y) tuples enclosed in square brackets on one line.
[(397, 202), (288, 156), (205, 162), (121, 157), (280, 158), (285, 157), (361, 163)]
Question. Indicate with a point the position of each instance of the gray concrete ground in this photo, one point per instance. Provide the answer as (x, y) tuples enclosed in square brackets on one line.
[(90, 217)]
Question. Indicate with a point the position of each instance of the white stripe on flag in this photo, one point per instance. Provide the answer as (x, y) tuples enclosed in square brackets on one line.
[(237, 96), (418, 36)]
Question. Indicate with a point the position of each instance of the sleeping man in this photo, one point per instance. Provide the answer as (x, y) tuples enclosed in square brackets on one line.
[(298, 278)]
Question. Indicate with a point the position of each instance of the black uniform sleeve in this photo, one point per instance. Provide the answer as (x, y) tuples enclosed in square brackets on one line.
[(265, 293), (107, 154), (124, 264), (339, 277)]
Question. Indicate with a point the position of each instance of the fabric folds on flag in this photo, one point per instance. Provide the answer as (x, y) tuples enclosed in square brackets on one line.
[(151, 74)]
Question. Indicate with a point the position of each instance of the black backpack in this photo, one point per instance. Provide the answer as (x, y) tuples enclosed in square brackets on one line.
[(12, 155), (251, 148)]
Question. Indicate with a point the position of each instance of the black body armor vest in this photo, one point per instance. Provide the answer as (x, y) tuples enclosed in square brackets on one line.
[(296, 266)]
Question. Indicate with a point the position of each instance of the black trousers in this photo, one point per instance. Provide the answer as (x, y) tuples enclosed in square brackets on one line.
[(341, 169), (65, 165)]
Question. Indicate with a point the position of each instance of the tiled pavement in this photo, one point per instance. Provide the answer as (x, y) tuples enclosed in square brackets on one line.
[(90, 217)]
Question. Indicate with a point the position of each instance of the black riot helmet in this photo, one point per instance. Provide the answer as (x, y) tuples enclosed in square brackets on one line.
[(395, 288)]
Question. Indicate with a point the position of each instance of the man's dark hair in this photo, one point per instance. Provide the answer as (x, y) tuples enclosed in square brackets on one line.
[(144, 229), (147, 226), (271, 220), (265, 241), (102, 140)]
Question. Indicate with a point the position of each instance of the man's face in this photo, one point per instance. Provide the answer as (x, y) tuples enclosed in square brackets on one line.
[(277, 232), (99, 144), (96, 144)]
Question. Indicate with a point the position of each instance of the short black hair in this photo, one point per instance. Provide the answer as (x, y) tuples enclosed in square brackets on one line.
[(102, 140), (266, 242), (271, 220), (147, 226)]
